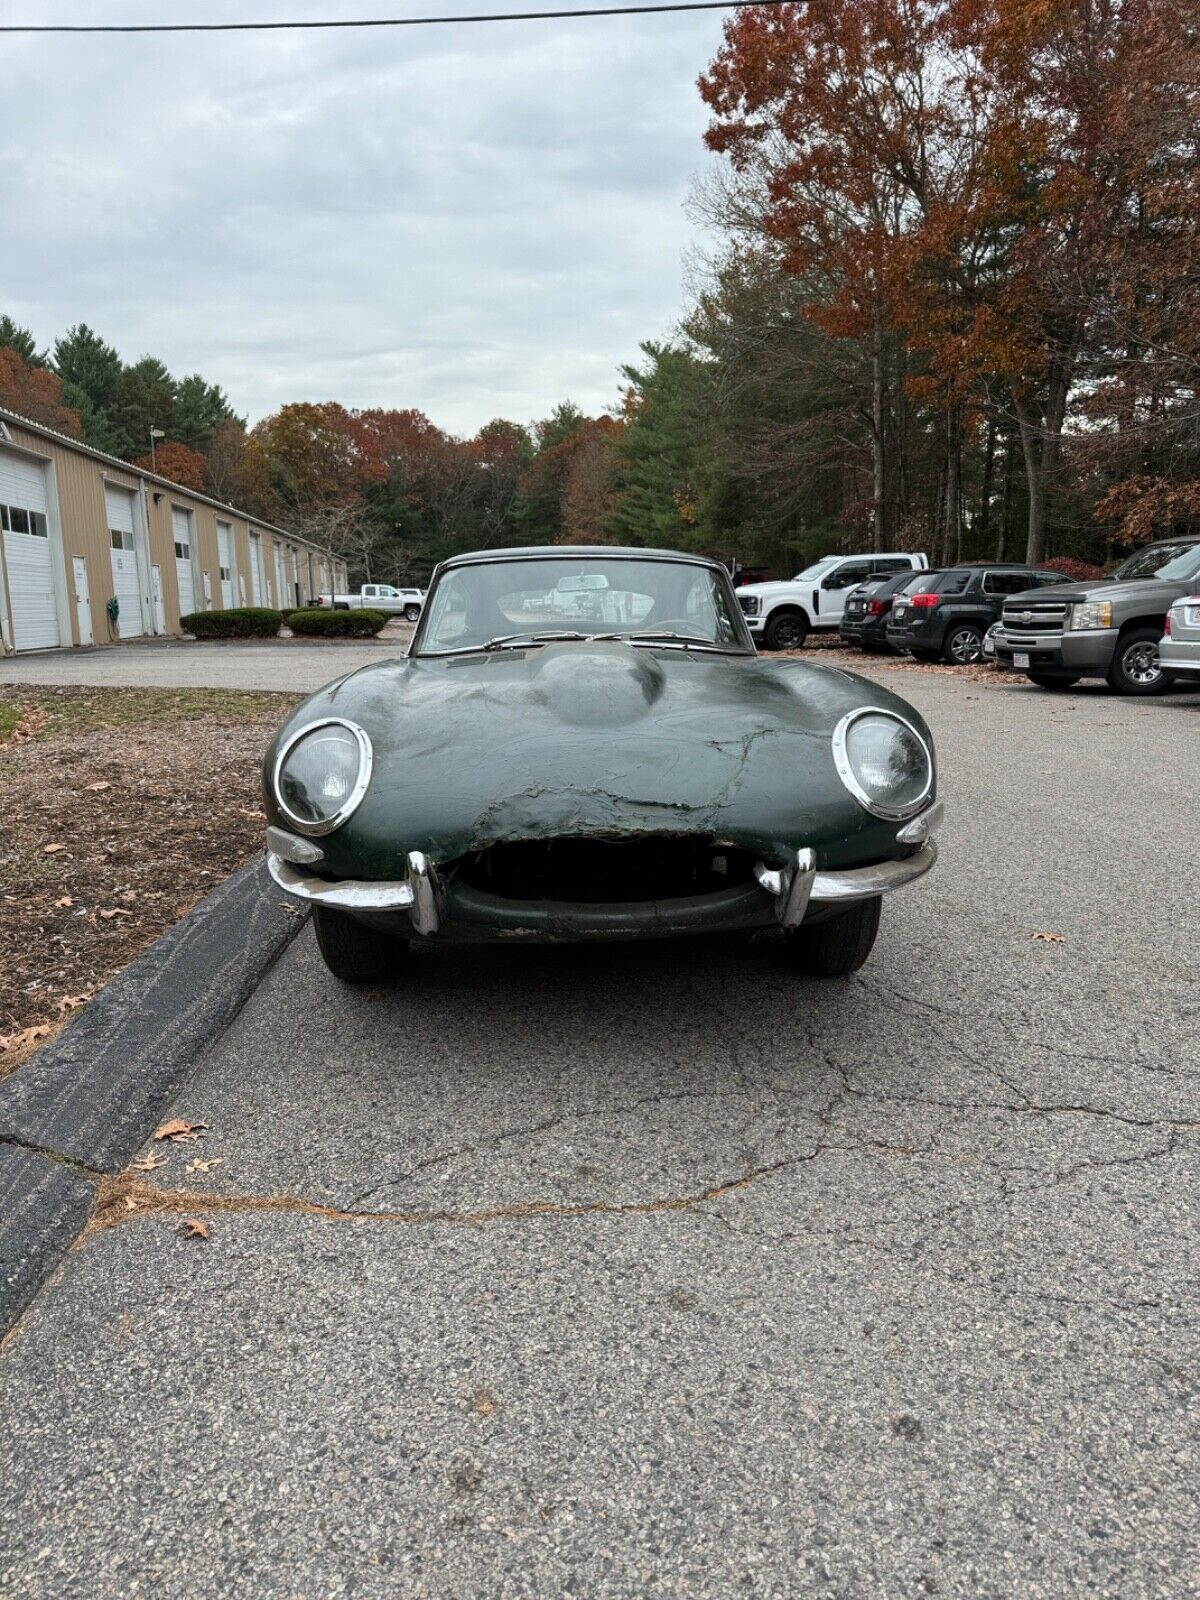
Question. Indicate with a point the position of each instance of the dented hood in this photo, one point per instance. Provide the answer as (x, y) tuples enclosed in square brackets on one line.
[(602, 739)]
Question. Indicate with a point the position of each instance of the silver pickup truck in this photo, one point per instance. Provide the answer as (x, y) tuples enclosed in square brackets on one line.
[(1108, 629), (404, 603)]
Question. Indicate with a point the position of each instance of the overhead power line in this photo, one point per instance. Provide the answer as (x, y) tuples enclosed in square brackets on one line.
[(379, 22)]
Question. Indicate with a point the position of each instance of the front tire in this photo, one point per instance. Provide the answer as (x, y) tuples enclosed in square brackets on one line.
[(786, 630), (1135, 668), (838, 946), (352, 951)]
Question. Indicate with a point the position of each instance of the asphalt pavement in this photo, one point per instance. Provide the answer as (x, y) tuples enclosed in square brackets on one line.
[(656, 1271), (286, 664)]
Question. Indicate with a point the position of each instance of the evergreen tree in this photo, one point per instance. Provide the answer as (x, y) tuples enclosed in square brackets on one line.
[(14, 337)]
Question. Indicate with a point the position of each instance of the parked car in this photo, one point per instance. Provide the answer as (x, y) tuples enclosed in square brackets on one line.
[(864, 621), (1108, 628), (780, 616), (512, 778), (1179, 647), (945, 615), (404, 603)]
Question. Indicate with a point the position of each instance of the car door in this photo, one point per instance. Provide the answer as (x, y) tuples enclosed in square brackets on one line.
[(836, 585)]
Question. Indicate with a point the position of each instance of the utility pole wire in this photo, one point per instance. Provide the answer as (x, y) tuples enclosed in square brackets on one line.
[(379, 22)]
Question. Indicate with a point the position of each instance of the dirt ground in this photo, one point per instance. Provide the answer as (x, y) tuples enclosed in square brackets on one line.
[(119, 810)]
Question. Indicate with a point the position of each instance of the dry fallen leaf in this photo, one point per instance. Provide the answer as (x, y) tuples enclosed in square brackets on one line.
[(61, 905), (1050, 938), (198, 1164), (52, 849), (117, 911), (15, 1041), (72, 1002), (179, 1131), (193, 1228), (96, 788), (147, 1163)]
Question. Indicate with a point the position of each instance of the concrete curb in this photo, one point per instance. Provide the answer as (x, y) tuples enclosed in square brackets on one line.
[(92, 1097)]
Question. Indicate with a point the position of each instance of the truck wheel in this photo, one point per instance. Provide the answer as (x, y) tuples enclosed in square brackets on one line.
[(964, 644), (1135, 668), (412, 613), (1043, 682), (837, 947), (786, 630), (352, 951)]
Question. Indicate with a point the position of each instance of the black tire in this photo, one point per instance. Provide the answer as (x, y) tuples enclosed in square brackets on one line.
[(352, 951), (963, 645), (1130, 670), (838, 946), (787, 630), (412, 613), (1059, 684)]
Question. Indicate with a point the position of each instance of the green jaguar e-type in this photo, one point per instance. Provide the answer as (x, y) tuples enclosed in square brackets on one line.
[(582, 744)]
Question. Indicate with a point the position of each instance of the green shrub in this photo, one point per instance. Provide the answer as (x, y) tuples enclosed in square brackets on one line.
[(240, 622), (339, 624)]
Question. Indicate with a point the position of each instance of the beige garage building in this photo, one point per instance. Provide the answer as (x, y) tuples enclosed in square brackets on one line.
[(79, 528)]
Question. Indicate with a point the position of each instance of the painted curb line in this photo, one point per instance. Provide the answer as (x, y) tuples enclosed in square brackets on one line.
[(94, 1095)]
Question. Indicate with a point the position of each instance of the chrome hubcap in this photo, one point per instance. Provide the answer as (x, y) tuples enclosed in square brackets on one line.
[(965, 646), (1140, 664)]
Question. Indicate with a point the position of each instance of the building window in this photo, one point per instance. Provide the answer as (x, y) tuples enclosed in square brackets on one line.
[(121, 539), (182, 550)]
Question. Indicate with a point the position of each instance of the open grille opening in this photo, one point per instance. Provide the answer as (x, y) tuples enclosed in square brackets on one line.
[(605, 871)]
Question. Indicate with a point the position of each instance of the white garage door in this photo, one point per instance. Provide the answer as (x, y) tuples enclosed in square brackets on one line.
[(27, 553), (181, 527), (225, 561), (126, 580)]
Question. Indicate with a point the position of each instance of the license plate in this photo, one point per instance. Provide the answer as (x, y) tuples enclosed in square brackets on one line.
[(1020, 658), (898, 610)]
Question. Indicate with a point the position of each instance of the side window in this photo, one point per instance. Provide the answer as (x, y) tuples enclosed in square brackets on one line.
[(1044, 578), (888, 565), (369, 591), (953, 583), (846, 577), (1003, 583)]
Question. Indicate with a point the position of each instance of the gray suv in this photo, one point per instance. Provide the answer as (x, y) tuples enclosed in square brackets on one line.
[(1107, 629)]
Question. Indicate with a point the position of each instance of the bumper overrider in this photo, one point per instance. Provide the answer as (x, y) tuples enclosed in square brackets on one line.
[(428, 904)]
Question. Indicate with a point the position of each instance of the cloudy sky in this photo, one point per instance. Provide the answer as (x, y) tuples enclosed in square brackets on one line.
[(476, 221)]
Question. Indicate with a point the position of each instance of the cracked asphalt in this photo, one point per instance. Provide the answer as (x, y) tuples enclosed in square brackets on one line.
[(656, 1271)]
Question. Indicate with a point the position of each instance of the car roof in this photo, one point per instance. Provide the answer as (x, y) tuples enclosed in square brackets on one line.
[(556, 552)]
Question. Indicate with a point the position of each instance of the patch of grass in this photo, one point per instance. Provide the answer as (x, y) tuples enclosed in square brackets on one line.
[(82, 710)]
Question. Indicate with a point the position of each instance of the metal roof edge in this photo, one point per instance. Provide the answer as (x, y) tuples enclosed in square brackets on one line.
[(66, 440)]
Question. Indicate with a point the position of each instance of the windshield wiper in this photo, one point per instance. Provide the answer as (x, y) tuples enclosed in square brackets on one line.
[(684, 640)]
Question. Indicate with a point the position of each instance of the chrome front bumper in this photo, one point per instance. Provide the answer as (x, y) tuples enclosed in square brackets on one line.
[(783, 895)]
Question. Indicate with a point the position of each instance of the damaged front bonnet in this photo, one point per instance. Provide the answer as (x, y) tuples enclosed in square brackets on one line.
[(598, 741)]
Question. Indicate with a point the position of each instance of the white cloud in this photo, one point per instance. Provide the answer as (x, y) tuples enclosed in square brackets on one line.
[(473, 221)]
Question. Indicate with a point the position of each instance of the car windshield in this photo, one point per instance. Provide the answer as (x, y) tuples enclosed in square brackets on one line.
[(500, 604), (817, 568), (1160, 561)]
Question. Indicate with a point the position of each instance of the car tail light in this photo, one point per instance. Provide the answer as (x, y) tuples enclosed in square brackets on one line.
[(875, 608), (924, 600), (1167, 626)]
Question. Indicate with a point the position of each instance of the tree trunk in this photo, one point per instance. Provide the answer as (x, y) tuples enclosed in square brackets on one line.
[(878, 440), (1005, 501), (988, 483), (1029, 428), (952, 490)]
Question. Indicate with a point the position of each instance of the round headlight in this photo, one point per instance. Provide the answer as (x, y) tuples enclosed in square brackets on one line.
[(884, 762), (322, 774)]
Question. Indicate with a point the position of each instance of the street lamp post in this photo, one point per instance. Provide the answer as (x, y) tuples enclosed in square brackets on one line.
[(155, 433)]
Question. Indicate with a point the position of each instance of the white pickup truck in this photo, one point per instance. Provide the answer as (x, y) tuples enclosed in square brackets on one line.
[(404, 603), (781, 615)]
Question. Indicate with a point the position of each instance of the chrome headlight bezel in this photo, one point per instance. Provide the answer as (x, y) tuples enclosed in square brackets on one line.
[(366, 761), (1087, 616), (841, 759)]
